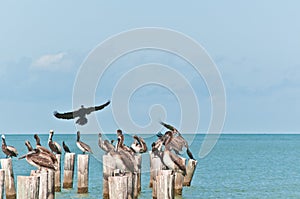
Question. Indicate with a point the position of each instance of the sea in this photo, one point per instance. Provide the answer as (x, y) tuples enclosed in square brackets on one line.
[(239, 166)]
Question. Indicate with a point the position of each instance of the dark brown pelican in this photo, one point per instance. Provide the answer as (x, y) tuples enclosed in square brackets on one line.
[(170, 159), (82, 146), (9, 151), (105, 145), (44, 150), (39, 159), (81, 113), (124, 160), (177, 142), (54, 146), (139, 145), (66, 148)]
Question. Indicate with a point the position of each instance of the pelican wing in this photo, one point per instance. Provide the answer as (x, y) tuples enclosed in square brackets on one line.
[(168, 126), (97, 108), (12, 149), (43, 162), (86, 147), (67, 115)]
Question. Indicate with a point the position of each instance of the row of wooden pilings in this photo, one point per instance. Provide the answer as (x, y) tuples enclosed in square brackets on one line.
[(165, 184), (42, 184)]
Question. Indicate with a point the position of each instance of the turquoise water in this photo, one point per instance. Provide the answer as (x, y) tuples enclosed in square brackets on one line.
[(239, 166)]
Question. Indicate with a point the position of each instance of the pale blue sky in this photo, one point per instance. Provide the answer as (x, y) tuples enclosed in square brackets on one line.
[(255, 44)]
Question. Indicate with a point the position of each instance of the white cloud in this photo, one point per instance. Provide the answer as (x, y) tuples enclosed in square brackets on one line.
[(53, 62)]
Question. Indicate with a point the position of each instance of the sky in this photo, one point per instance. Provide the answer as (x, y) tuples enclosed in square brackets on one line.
[(255, 46)]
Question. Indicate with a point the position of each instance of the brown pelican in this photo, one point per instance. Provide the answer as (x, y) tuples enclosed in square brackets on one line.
[(124, 160), (54, 146), (38, 158), (44, 150), (121, 142), (139, 145), (82, 146), (66, 148), (105, 145), (177, 142), (170, 159), (9, 151), (81, 113)]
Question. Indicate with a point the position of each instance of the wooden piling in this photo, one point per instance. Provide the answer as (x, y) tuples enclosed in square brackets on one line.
[(118, 187), (190, 169), (68, 170), (10, 189), (50, 184), (28, 187), (138, 159), (165, 185), (179, 180), (57, 174), (130, 185), (83, 173), (155, 166), (2, 177), (109, 164)]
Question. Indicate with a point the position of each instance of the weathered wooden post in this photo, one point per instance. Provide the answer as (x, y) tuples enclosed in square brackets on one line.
[(57, 174), (155, 166), (118, 187), (109, 165), (2, 177), (130, 185), (83, 173), (50, 184), (165, 185), (138, 159), (190, 169), (68, 170), (10, 189), (28, 187)]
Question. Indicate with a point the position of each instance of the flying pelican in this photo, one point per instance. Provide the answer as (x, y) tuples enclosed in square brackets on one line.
[(105, 145), (9, 151), (44, 149), (177, 142), (54, 146), (82, 146), (139, 145), (170, 159), (81, 113), (66, 148)]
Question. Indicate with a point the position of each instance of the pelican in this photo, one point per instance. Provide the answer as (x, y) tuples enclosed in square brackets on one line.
[(38, 158), (9, 151), (177, 142), (139, 145), (44, 149), (124, 160), (170, 159), (81, 113), (121, 142), (66, 148), (54, 146), (105, 145), (82, 146)]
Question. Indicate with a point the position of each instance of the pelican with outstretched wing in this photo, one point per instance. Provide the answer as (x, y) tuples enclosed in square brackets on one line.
[(81, 113)]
